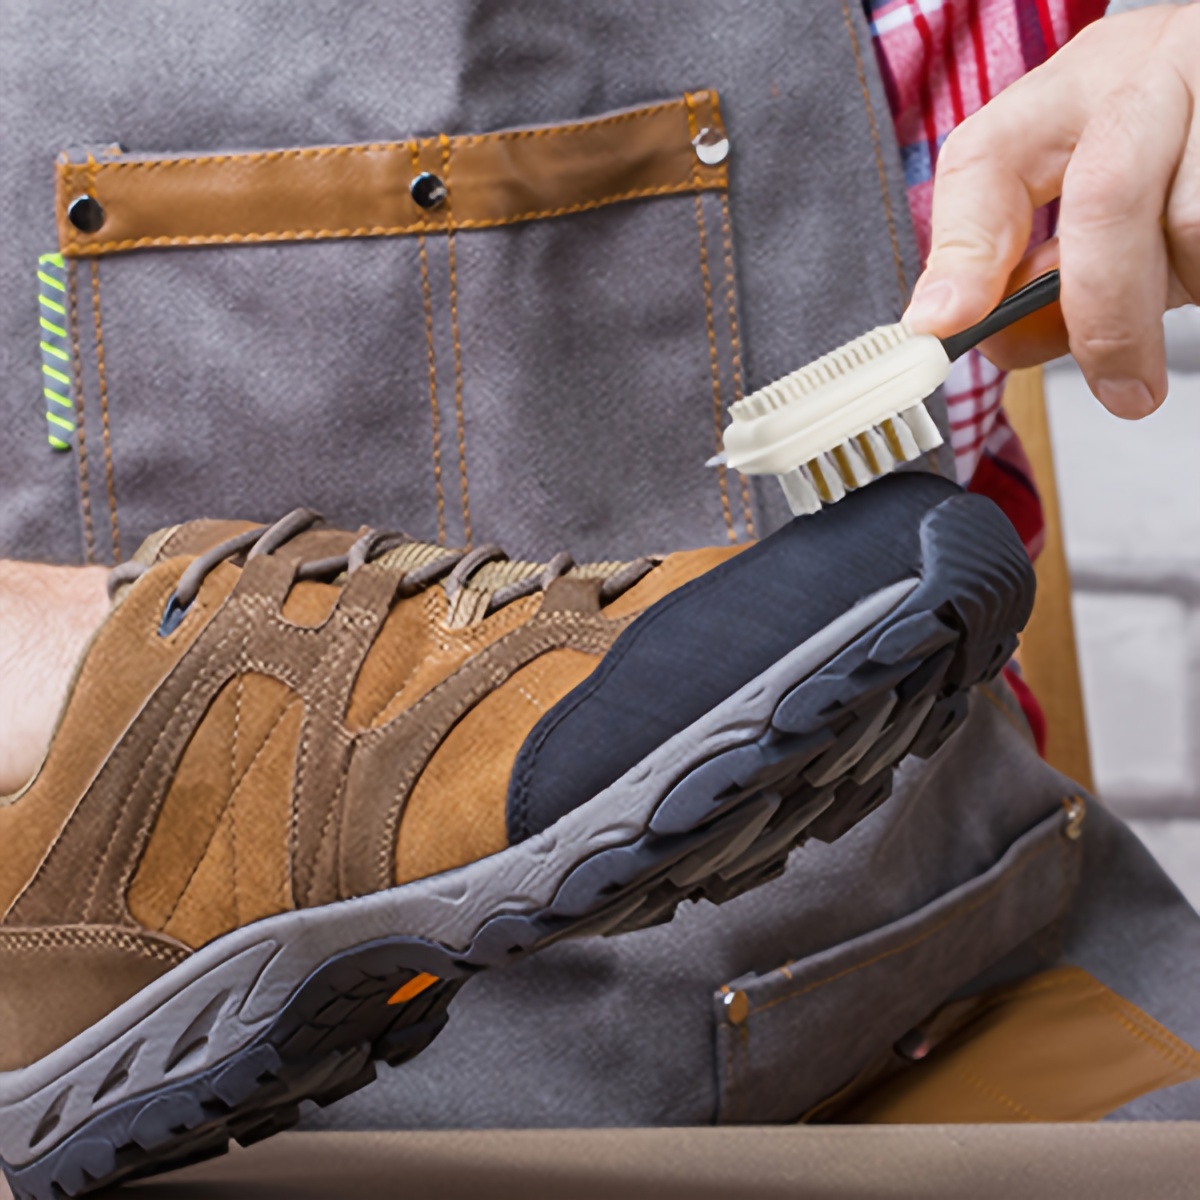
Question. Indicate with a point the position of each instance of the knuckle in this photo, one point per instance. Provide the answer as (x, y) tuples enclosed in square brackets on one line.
[(1095, 344), (1183, 226)]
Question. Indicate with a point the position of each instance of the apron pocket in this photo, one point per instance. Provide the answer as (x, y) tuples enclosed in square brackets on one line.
[(789, 1039), (527, 336)]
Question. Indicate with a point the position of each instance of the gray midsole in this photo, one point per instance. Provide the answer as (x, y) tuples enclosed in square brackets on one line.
[(259, 966)]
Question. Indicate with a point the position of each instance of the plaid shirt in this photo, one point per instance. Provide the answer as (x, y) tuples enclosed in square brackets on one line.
[(941, 60)]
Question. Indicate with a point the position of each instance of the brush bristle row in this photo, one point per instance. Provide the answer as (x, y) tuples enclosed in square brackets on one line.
[(822, 372), (860, 460)]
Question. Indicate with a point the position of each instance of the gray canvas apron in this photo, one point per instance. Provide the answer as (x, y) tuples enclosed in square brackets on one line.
[(544, 373)]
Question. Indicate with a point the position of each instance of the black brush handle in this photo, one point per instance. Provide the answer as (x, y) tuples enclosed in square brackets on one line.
[(1042, 291)]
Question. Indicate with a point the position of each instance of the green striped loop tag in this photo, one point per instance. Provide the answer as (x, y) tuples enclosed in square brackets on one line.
[(57, 388)]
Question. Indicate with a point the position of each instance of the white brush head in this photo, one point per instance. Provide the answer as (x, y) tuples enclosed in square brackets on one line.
[(844, 420)]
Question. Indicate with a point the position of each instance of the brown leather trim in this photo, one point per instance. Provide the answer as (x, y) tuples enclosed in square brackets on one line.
[(363, 190), (1059, 1046)]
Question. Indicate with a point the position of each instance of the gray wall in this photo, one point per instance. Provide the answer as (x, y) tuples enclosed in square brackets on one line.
[(1130, 496)]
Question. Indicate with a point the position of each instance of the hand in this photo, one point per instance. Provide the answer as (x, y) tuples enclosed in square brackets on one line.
[(47, 616), (1109, 125)]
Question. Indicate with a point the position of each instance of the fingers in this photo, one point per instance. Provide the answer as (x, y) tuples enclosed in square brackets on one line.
[(994, 170), (1183, 221), (1042, 335), (1112, 246)]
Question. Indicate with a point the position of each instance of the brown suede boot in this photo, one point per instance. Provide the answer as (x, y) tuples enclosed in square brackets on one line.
[(308, 782)]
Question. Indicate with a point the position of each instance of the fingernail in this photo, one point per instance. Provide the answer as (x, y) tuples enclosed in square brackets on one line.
[(1127, 398), (931, 303)]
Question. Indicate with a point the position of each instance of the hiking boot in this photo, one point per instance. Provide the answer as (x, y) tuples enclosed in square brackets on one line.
[(309, 782)]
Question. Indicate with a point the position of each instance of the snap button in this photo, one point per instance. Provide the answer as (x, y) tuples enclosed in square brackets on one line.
[(737, 1007), (85, 213), (1075, 811), (711, 147), (428, 190)]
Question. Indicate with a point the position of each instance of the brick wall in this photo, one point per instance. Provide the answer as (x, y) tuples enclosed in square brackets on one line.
[(1130, 495)]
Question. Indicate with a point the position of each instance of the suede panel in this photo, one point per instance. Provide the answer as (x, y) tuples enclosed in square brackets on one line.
[(126, 663), (245, 874), (674, 571), (310, 604), (445, 650), (56, 983), (403, 642), (399, 751), (213, 774), (456, 812)]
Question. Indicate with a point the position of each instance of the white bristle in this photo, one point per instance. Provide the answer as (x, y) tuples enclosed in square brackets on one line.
[(900, 439), (925, 432), (826, 479), (826, 370), (874, 447), (843, 421), (850, 465), (799, 492)]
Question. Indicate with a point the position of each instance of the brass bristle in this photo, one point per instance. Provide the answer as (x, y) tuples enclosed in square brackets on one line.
[(826, 479), (851, 466), (875, 450)]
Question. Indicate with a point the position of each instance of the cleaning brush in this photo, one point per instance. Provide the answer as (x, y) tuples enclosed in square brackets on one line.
[(858, 412)]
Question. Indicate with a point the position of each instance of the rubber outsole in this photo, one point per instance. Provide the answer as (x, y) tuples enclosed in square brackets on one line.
[(823, 762)]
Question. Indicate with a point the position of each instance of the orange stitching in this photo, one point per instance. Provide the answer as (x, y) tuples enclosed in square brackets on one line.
[(73, 937), (878, 147), (69, 170), (718, 408), (89, 533), (90, 249), (1185, 1059), (1174, 1049), (692, 132), (106, 434), (458, 383), (947, 921), (993, 1092), (231, 807), (736, 341), (578, 127), (433, 400)]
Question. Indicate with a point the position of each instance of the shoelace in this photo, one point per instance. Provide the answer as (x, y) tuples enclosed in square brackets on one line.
[(455, 567)]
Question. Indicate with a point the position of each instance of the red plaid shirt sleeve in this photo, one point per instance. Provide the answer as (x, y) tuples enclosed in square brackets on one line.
[(941, 60)]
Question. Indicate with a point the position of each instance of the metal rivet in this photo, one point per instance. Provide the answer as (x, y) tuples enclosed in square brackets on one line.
[(737, 1007), (1075, 810), (85, 213), (712, 146), (914, 1045), (428, 190)]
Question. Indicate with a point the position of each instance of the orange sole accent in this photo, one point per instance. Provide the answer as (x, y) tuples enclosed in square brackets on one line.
[(414, 987)]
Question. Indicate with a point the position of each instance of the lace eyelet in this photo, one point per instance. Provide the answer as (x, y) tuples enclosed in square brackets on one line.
[(172, 616)]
